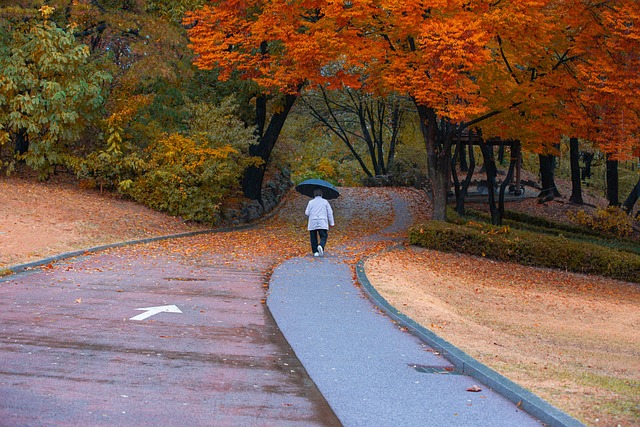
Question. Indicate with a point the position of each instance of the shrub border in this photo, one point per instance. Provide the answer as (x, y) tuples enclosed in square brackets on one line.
[(525, 222), (465, 238)]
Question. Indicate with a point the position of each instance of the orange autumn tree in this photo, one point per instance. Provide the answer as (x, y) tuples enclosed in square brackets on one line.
[(450, 58), (611, 79), (271, 44), (426, 52), (461, 62), (584, 87), (540, 84), (612, 82)]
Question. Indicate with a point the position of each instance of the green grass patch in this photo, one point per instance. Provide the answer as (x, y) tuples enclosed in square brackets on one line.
[(624, 391)]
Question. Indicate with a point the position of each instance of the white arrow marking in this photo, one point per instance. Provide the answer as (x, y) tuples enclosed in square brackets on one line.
[(150, 311)]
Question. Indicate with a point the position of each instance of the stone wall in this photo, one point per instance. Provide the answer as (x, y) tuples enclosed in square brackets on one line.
[(276, 185)]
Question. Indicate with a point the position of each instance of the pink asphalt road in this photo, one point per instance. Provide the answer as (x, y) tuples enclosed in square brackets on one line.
[(73, 351)]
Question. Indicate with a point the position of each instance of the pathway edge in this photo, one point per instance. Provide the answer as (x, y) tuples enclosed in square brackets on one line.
[(526, 400), (19, 268)]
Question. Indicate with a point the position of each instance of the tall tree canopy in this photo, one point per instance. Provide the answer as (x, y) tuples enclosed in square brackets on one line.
[(612, 80), (48, 91), (536, 63)]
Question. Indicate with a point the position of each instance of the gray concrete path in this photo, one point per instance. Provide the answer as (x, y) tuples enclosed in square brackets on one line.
[(371, 372)]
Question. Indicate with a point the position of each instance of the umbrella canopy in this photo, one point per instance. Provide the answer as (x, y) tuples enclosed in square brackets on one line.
[(328, 190)]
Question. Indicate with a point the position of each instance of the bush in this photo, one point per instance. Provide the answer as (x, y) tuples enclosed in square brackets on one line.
[(407, 173), (526, 248), (108, 169), (187, 178), (523, 221), (184, 174), (612, 220)]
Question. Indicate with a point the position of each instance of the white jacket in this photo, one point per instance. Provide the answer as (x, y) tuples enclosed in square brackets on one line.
[(320, 214)]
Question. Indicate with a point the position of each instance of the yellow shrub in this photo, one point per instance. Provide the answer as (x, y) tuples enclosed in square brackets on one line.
[(612, 220), (186, 177), (326, 169)]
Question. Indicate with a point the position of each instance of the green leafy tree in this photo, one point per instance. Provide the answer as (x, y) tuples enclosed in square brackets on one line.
[(142, 45), (49, 90), (190, 174)]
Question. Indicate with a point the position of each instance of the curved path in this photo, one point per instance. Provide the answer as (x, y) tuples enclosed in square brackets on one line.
[(81, 345), (370, 370)]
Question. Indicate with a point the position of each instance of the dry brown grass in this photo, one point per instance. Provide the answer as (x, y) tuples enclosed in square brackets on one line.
[(574, 340)]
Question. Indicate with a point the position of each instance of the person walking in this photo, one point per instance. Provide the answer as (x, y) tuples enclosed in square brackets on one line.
[(320, 218)]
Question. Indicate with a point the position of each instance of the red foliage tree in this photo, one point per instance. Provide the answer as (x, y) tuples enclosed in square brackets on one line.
[(537, 68)]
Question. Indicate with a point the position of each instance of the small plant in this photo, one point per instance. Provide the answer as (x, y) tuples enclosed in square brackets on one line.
[(612, 220), (326, 169)]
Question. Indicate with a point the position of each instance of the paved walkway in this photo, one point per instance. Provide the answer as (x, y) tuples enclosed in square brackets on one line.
[(71, 354), (371, 371), (77, 349)]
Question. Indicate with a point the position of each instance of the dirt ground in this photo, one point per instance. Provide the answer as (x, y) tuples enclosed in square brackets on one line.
[(572, 339), (40, 219)]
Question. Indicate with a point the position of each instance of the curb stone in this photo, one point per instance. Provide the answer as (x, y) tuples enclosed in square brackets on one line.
[(14, 269), (526, 400)]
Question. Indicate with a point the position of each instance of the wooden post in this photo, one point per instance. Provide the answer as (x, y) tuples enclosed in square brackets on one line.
[(518, 191)]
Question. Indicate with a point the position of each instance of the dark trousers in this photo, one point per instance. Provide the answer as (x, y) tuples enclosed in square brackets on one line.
[(314, 239)]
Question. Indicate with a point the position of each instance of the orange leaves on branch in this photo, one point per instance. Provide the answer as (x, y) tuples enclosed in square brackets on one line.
[(549, 68), (612, 80)]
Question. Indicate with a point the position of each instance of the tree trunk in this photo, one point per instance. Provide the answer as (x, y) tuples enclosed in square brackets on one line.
[(631, 200), (457, 189), (462, 189), (438, 161), (379, 135), (396, 122), (492, 171), (22, 142), (439, 175), (254, 175), (586, 171), (369, 140), (612, 182), (515, 158), (462, 156), (501, 154), (547, 176), (576, 183)]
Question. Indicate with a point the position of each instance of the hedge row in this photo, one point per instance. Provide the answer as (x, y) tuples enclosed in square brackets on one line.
[(526, 248), (523, 221)]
